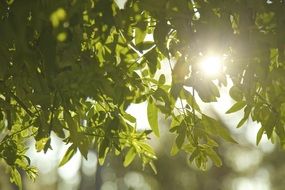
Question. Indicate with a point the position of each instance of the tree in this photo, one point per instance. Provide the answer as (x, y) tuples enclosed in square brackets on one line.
[(73, 67)]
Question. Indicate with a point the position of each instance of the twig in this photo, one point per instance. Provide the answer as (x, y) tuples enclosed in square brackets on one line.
[(21, 103), (182, 106), (105, 99), (15, 133), (266, 103), (52, 113), (9, 116)]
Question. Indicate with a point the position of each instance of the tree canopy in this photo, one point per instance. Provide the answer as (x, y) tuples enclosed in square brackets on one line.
[(73, 67)]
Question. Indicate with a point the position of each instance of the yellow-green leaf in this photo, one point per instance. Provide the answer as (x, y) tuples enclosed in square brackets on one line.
[(152, 115), (41, 144), (16, 178), (153, 167), (214, 157), (68, 155), (259, 135), (130, 156), (236, 107)]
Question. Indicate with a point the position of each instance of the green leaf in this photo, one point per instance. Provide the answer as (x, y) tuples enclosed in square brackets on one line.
[(103, 150), (175, 90), (207, 91), (190, 100), (151, 57), (236, 107), (152, 115), (58, 128), (161, 95), (236, 93), (241, 122), (130, 118), (161, 79), (147, 150), (16, 178), (159, 35), (175, 123), (189, 148), (174, 149), (72, 126), (139, 36), (180, 139), (215, 128), (247, 111), (269, 125), (212, 142), (259, 135), (214, 157), (153, 167), (130, 156), (83, 146), (32, 173), (194, 154), (40, 144), (68, 155)]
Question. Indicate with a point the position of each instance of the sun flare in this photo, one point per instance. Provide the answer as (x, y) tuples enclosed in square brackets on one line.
[(212, 65)]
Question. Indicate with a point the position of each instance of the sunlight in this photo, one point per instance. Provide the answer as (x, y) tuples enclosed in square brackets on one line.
[(139, 112), (212, 65)]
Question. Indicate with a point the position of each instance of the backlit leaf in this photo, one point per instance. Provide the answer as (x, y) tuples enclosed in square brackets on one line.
[(68, 155), (236, 107), (16, 178), (130, 156), (152, 115)]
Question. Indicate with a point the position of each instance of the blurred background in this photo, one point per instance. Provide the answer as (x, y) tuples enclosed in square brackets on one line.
[(245, 165)]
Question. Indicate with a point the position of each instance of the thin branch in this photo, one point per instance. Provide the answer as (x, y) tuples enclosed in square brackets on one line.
[(9, 115), (266, 103), (182, 106), (52, 112), (17, 99), (15, 133), (193, 109), (102, 136), (105, 100)]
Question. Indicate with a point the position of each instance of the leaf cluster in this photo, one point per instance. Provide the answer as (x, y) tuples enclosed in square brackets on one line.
[(73, 67)]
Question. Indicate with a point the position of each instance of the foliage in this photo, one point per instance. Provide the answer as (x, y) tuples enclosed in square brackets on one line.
[(73, 67)]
